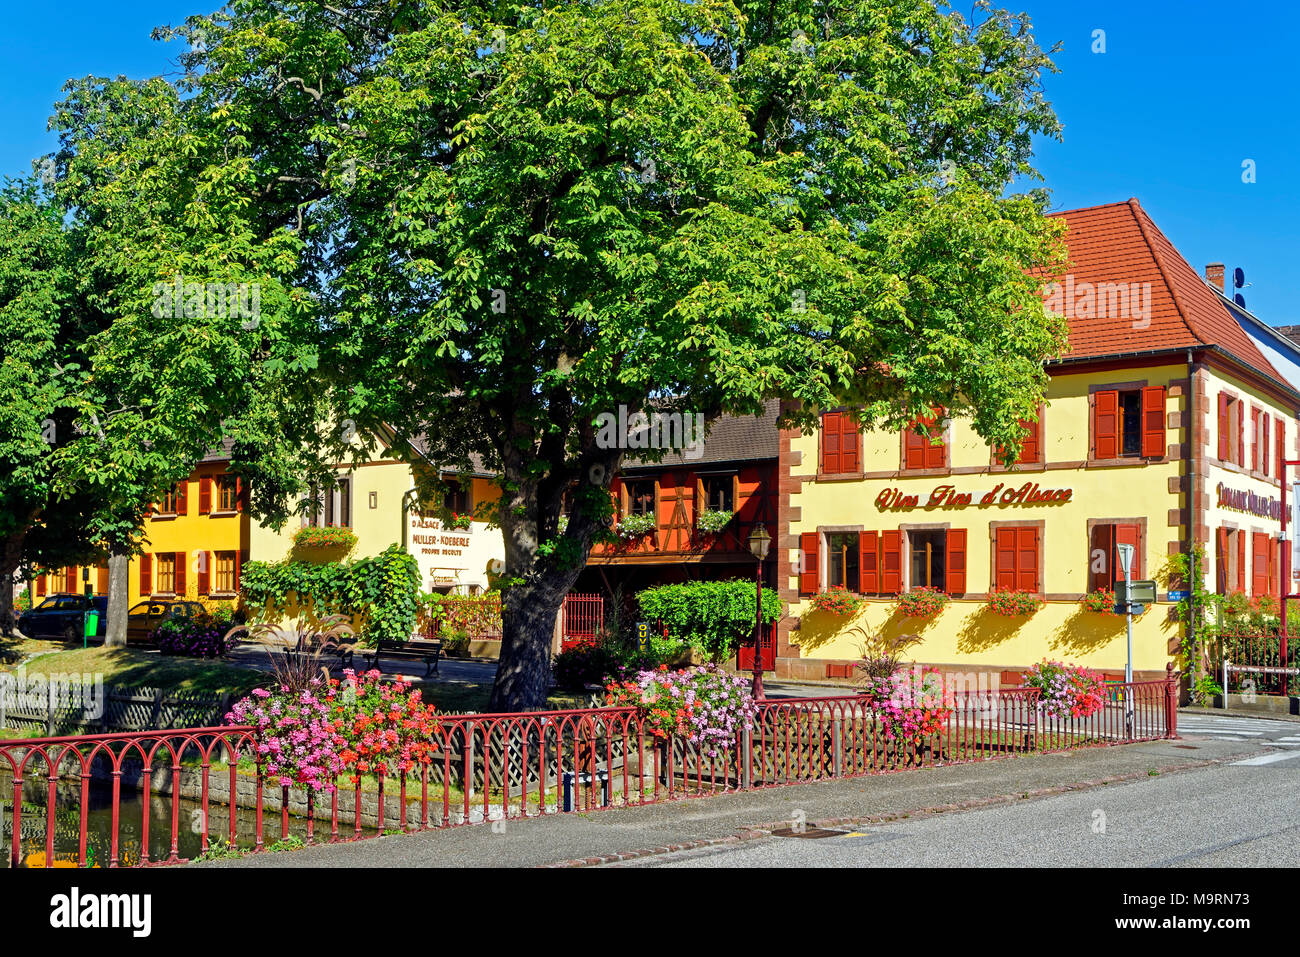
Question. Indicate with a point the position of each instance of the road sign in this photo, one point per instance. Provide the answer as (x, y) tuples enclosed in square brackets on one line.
[(1139, 591), (1179, 595), (1125, 557)]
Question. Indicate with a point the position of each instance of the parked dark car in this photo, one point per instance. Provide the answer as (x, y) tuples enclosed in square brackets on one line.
[(143, 617), (62, 616)]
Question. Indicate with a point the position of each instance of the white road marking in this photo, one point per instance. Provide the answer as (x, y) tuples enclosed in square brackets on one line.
[(1268, 758)]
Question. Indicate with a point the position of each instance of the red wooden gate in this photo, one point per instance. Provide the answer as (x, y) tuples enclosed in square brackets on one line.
[(581, 620), (745, 653)]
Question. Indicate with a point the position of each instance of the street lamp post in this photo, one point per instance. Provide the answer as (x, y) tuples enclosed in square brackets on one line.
[(758, 541)]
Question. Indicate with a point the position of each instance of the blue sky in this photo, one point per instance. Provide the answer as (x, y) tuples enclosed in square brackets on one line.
[(1182, 95)]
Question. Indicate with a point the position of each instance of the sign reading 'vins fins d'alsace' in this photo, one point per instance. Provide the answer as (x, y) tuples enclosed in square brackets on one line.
[(947, 496)]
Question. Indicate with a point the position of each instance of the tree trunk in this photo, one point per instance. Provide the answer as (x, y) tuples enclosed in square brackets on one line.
[(528, 622), (119, 586), (11, 554)]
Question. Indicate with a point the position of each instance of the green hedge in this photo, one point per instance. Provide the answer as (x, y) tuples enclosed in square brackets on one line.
[(713, 617), (382, 590)]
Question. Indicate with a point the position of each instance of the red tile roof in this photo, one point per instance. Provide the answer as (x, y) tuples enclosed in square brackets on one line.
[(1119, 243)]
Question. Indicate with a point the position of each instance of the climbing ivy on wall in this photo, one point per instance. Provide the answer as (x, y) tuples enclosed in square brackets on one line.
[(381, 590)]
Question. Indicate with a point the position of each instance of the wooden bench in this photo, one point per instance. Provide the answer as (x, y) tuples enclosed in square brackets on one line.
[(428, 650)]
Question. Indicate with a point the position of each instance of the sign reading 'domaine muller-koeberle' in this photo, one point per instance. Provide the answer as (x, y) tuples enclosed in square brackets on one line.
[(1244, 500), (451, 557)]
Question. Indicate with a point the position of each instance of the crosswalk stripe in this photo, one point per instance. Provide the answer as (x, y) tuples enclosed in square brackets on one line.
[(1222, 731), (1269, 758)]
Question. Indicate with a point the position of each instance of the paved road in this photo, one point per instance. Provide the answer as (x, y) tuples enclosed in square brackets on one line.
[(1240, 813)]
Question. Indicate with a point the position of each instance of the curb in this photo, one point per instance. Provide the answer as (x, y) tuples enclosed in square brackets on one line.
[(765, 830)]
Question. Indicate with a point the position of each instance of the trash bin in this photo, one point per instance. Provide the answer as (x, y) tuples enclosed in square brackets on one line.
[(92, 626)]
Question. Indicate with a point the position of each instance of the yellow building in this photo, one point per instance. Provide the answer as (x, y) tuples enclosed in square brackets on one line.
[(1126, 450), (195, 543)]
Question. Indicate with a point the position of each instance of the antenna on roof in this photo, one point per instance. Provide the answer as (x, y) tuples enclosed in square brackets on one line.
[(1238, 278), (1240, 300)]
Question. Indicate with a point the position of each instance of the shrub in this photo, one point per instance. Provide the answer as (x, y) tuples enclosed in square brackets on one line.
[(1100, 602), (382, 589), (324, 536), (585, 664), (198, 637), (1014, 604), (836, 601), (713, 520), (713, 617), (922, 602), (882, 654), (1066, 691), (706, 706)]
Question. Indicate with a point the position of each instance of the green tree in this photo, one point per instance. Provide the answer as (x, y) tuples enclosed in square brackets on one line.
[(520, 217)]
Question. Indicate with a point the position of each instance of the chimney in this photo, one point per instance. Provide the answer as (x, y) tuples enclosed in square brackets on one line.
[(1214, 275)]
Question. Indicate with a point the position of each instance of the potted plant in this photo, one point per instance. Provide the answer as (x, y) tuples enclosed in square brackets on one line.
[(1099, 602), (460, 522), (713, 520), (1014, 604), (324, 538), (1066, 691), (923, 602), (836, 601), (631, 527)]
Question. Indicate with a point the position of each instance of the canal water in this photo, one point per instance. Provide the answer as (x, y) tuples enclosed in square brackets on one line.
[(130, 828)]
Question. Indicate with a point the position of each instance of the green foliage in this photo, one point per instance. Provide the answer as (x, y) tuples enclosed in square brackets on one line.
[(713, 520), (713, 617), (382, 590), (634, 526)]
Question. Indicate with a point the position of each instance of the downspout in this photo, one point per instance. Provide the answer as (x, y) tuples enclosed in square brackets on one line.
[(1190, 456)]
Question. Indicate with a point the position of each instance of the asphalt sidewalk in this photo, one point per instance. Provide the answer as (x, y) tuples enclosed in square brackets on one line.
[(621, 833)]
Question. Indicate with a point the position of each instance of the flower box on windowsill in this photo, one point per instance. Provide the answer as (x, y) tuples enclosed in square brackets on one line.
[(633, 527)]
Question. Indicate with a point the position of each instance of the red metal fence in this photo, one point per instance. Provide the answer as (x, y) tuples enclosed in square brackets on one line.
[(1256, 665), (167, 796), (582, 618)]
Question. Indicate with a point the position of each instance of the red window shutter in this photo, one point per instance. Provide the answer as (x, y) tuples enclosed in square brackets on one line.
[(241, 494), (1241, 433), (1031, 447), (40, 587), (1106, 424), (809, 580), (891, 563), (1259, 564), (1221, 562), (913, 450), (239, 566), (1225, 430), (146, 575), (1004, 566), (848, 443), (1101, 558), (1242, 547), (1127, 535), (70, 580), (204, 574), (1254, 438), (1265, 443), (1281, 449), (182, 497), (956, 567), (1027, 559), (1274, 556), (1153, 422), (101, 582), (180, 574), (830, 443), (868, 569), (935, 454), (205, 495)]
